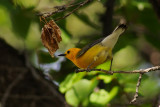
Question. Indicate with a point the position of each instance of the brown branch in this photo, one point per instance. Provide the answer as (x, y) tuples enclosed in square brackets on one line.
[(156, 102), (63, 8), (80, 5), (123, 72), (137, 89)]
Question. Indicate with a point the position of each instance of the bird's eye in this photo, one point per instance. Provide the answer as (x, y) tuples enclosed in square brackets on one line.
[(68, 52)]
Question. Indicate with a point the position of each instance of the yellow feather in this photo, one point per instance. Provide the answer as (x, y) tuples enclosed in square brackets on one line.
[(96, 55)]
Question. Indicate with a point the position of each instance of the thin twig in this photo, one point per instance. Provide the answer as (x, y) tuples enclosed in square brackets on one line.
[(80, 5), (124, 72), (58, 10), (137, 89), (63, 8)]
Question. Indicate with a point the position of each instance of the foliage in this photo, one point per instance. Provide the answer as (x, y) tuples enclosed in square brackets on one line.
[(20, 25)]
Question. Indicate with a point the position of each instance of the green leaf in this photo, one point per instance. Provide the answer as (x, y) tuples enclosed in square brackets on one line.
[(85, 102), (105, 66), (82, 88), (45, 58), (80, 91), (105, 78), (70, 80), (99, 98), (112, 93), (102, 97), (71, 98)]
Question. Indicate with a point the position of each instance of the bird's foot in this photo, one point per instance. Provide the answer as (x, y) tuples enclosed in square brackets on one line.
[(88, 69), (77, 70), (82, 70)]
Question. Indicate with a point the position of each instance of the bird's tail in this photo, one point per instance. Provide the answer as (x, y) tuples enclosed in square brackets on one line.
[(120, 29), (111, 39)]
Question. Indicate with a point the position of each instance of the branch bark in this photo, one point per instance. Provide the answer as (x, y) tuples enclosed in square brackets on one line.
[(63, 8), (124, 72), (137, 89)]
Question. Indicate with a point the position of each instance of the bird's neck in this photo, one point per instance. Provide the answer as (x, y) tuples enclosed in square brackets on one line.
[(75, 51)]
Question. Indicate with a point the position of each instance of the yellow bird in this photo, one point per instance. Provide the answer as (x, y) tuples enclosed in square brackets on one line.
[(97, 52)]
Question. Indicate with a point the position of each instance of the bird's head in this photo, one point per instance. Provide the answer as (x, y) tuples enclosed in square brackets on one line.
[(71, 53)]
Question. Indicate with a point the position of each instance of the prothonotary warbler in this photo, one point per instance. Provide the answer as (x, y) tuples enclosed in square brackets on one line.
[(97, 52)]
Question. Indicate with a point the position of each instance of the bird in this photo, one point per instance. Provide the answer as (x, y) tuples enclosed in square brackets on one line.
[(96, 52)]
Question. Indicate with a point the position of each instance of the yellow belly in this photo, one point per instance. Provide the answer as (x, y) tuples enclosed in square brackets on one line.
[(96, 55)]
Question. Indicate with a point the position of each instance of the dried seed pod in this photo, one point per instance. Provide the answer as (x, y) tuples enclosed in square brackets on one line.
[(51, 36)]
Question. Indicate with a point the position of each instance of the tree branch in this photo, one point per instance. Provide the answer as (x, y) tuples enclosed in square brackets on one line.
[(80, 5), (124, 72), (63, 8), (137, 89)]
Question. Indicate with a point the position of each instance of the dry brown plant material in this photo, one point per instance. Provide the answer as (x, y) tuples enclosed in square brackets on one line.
[(51, 36)]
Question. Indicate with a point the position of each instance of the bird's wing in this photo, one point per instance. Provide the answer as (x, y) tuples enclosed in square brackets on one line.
[(119, 29), (84, 49)]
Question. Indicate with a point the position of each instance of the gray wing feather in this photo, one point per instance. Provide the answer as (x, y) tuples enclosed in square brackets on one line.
[(83, 50)]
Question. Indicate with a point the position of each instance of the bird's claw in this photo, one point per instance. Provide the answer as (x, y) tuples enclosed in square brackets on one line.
[(81, 70), (77, 70), (88, 70)]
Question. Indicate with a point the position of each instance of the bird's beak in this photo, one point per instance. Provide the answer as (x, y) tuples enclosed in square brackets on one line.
[(62, 55)]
